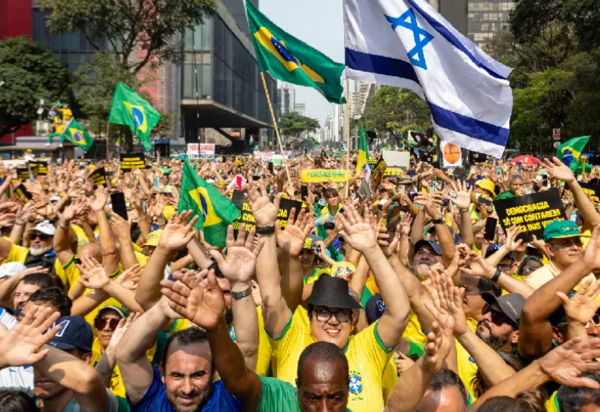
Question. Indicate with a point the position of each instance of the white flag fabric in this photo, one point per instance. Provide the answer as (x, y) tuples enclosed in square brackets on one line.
[(407, 43)]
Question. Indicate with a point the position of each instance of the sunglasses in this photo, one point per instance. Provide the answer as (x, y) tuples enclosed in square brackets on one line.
[(41, 236), (323, 315), (100, 323), (498, 318), (594, 321)]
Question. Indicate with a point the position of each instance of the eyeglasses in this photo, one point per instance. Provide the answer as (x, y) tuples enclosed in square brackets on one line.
[(41, 236), (505, 267), (594, 321), (100, 323), (528, 270), (323, 315), (566, 243), (498, 318)]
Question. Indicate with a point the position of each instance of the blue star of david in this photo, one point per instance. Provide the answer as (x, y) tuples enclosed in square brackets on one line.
[(422, 38)]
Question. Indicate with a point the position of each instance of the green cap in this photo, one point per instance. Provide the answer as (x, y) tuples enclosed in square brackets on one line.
[(560, 229)]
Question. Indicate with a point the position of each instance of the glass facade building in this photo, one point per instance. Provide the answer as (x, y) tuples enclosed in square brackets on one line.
[(487, 18)]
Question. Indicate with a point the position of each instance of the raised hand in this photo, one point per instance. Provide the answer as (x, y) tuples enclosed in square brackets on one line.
[(437, 349), (75, 210), (177, 234), (25, 212), (265, 213), (100, 200), (241, 255), (122, 327), (564, 364), (511, 243), (559, 170), (291, 240), (130, 278), (7, 219), (591, 255), (462, 200), (357, 231), (120, 227), (203, 305), (405, 224), (582, 306), (476, 265), (93, 274), (21, 346)]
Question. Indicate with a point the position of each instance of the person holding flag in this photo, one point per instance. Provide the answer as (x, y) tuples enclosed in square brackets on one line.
[(77, 135)]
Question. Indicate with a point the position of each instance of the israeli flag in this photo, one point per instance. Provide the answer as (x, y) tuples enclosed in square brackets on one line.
[(407, 43)]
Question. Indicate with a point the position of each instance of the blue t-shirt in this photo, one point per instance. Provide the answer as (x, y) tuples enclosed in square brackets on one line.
[(155, 400)]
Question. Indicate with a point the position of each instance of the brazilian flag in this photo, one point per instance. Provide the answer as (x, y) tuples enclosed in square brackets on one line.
[(215, 211), (571, 150), (291, 60), (130, 109), (77, 135), (363, 154)]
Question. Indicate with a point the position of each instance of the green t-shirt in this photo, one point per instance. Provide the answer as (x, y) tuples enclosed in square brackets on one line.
[(278, 396)]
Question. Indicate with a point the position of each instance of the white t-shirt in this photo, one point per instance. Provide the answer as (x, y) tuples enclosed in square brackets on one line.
[(17, 377)]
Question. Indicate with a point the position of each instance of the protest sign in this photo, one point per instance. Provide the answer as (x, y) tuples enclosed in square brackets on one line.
[(263, 156), (277, 160), (532, 212), (323, 175), (201, 150), (23, 173), (393, 171), (379, 168), (373, 160), (364, 190), (22, 192), (41, 168), (593, 192), (451, 154), (396, 159), (98, 176), (128, 162), (285, 207)]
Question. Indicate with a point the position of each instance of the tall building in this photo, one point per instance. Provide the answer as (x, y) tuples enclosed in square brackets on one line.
[(300, 108), (487, 18), (286, 98), (218, 85)]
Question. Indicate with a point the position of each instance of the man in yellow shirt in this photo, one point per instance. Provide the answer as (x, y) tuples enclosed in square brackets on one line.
[(330, 317)]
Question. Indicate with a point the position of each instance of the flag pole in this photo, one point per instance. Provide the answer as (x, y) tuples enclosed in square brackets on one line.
[(347, 135), (107, 140), (262, 75)]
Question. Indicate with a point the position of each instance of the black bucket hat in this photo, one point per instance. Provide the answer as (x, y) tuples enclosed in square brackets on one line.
[(332, 293)]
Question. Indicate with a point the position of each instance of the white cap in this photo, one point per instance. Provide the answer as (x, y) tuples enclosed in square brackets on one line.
[(55, 198), (44, 227), (10, 269)]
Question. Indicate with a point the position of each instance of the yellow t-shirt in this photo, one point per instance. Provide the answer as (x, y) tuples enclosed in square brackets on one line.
[(467, 368), (68, 274), (82, 238), (367, 358), (413, 330), (552, 403), (263, 363)]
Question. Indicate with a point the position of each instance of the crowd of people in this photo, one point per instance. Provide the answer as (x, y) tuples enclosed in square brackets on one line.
[(395, 300)]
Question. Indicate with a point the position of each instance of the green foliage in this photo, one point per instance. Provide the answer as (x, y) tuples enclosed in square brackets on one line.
[(30, 73), (396, 110), (166, 125), (149, 25), (294, 124)]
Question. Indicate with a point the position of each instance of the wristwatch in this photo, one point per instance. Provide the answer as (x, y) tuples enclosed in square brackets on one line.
[(242, 294), (496, 276), (265, 230), (438, 221)]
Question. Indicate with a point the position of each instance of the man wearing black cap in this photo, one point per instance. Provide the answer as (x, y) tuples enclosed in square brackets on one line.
[(427, 254), (499, 327), (330, 306)]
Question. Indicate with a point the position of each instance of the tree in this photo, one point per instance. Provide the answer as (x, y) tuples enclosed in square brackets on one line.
[(149, 25), (293, 125), (396, 110), (30, 73), (166, 125)]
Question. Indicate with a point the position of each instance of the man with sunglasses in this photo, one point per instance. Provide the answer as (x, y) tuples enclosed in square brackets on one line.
[(563, 245), (499, 326)]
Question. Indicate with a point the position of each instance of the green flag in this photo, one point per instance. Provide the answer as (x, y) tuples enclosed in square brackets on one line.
[(571, 150), (215, 211), (291, 60), (77, 135), (130, 109), (363, 152)]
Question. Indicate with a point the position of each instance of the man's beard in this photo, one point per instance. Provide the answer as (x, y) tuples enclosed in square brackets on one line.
[(195, 393), (39, 251), (494, 342)]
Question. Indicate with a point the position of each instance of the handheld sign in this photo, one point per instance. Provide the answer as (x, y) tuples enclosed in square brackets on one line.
[(532, 212), (22, 192), (323, 175), (98, 176), (593, 192), (22, 173), (364, 190), (379, 168), (285, 207), (41, 168), (128, 162)]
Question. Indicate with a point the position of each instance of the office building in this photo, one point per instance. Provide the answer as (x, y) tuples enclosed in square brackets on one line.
[(286, 97), (300, 108), (487, 18)]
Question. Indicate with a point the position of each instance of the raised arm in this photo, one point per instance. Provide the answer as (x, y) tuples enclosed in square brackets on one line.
[(107, 363), (204, 305), (110, 259), (359, 234), (176, 235), (122, 230), (62, 242), (462, 200), (432, 203), (276, 312), (291, 241), (581, 308), (239, 268)]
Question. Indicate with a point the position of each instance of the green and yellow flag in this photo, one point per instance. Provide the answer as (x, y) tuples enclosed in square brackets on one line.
[(291, 60), (215, 211), (130, 109), (363, 154), (571, 150), (77, 135)]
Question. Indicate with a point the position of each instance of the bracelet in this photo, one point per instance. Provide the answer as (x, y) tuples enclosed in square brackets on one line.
[(463, 210), (242, 294), (438, 221), (19, 223), (266, 230), (496, 276), (60, 223)]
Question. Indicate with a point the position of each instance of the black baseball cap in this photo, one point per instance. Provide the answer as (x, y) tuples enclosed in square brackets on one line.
[(437, 249), (74, 333), (375, 308), (511, 305)]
